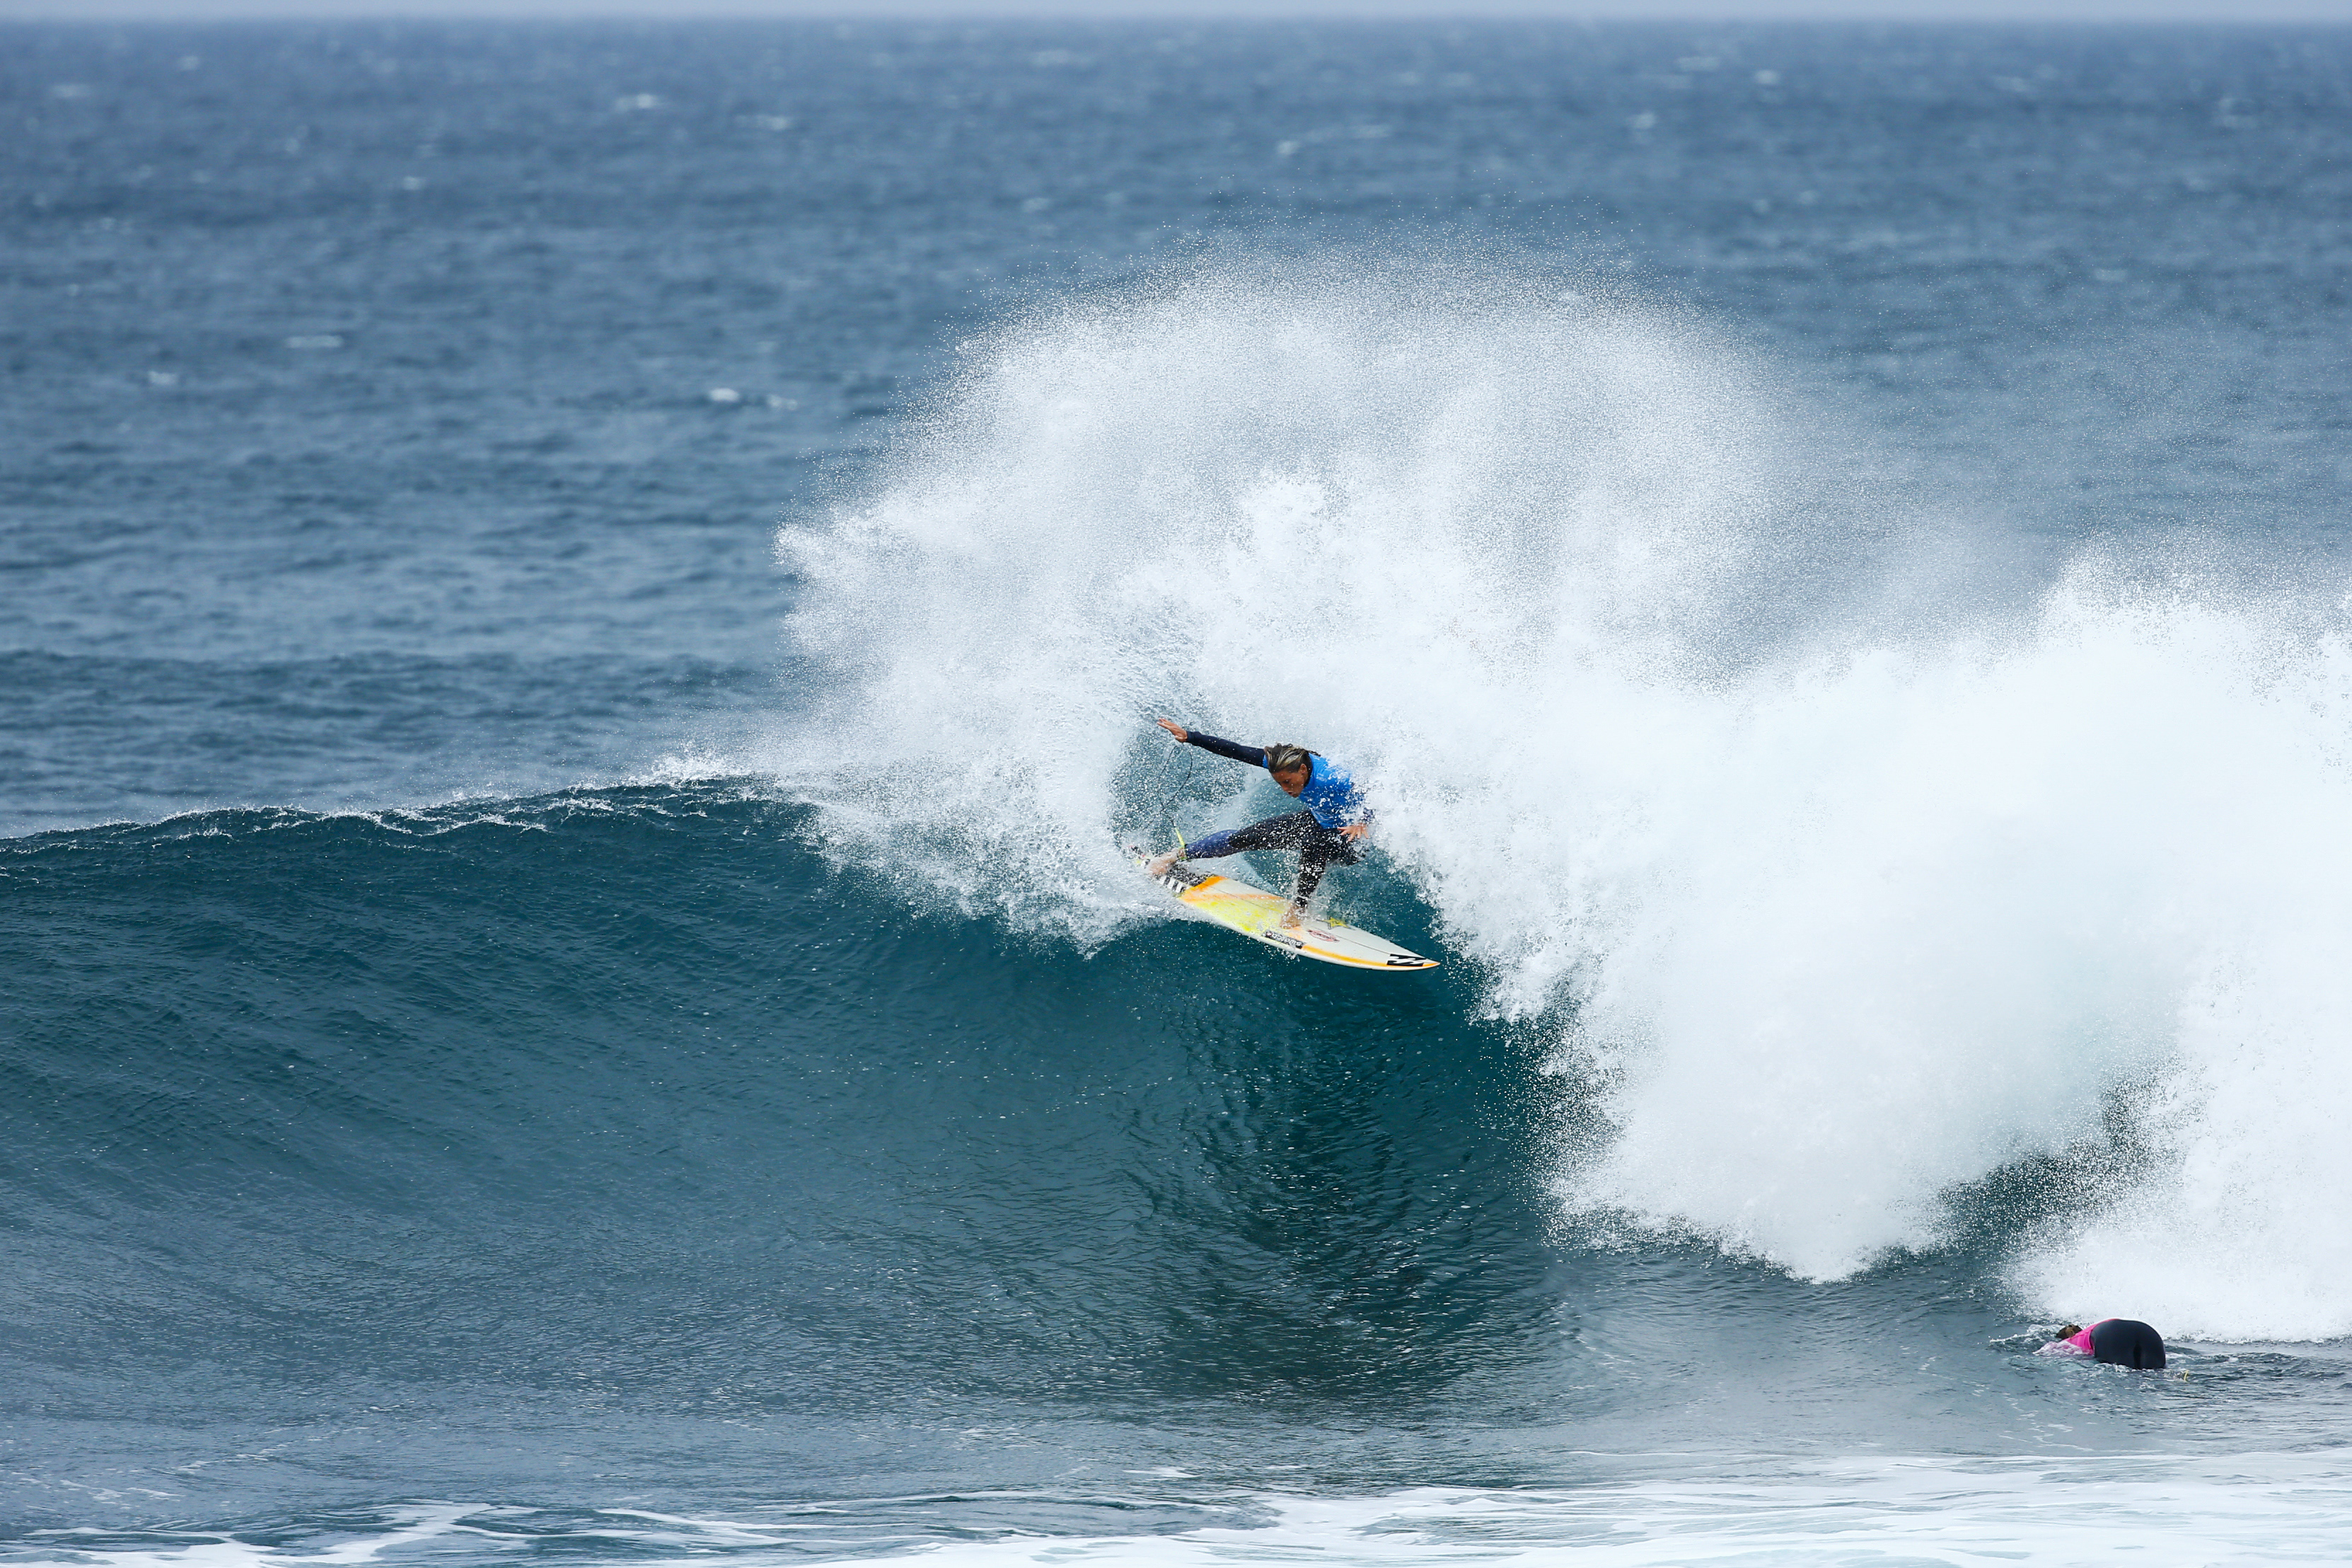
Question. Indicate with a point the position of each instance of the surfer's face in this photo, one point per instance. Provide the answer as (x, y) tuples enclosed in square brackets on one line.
[(1293, 782)]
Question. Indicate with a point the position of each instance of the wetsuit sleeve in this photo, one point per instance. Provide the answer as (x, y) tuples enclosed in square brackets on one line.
[(1252, 754)]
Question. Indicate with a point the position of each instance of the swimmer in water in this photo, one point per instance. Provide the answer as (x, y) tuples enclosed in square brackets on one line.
[(2118, 1342)]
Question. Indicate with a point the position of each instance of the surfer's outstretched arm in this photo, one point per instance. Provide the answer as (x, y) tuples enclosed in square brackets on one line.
[(1254, 755)]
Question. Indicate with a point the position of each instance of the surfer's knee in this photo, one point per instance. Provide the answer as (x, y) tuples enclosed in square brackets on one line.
[(1210, 846)]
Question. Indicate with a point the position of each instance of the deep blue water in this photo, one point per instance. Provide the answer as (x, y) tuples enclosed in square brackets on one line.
[(581, 610)]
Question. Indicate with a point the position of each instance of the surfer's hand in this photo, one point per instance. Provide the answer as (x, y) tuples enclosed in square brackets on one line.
[(1173, 727), (1355, 830)]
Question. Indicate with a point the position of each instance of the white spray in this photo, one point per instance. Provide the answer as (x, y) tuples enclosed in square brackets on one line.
[(1844, 914)]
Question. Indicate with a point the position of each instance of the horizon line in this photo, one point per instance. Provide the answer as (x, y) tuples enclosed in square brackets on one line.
[(2328, 15)]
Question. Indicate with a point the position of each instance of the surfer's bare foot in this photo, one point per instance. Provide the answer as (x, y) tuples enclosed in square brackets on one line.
[(1293, 916), (1161, 866)]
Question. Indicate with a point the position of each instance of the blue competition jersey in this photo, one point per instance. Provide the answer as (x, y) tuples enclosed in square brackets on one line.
[(1330, 793)]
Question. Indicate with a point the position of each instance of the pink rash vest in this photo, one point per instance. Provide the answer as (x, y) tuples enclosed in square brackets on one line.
[(2073, 1344)]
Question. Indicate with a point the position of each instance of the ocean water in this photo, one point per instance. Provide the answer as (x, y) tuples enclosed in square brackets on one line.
[(580, 607)]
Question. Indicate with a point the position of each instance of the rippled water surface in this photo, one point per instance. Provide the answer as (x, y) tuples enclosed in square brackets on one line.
[(581, 606)]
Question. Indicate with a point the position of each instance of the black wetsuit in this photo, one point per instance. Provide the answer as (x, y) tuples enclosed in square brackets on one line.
[(2124, 1342)]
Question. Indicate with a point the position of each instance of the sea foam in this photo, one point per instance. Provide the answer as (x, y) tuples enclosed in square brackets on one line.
[(2163, 1511)]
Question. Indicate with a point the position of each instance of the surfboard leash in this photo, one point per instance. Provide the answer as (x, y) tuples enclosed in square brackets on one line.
[(1168, 795)]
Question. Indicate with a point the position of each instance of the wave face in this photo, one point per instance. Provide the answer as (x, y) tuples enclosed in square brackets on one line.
[(612, 1123), (1851, 881), (622, 1150)]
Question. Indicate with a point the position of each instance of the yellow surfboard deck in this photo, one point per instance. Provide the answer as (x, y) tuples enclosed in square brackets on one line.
[(1257, 914)]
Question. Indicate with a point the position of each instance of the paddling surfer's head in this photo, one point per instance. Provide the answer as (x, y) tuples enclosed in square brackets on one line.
[(1289, 767)]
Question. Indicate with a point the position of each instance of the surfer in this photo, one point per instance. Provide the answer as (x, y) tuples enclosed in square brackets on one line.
[(2119, 1341), (1329, 833)]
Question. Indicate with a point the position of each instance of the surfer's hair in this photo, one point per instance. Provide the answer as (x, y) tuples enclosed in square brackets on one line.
[(1287, 759)]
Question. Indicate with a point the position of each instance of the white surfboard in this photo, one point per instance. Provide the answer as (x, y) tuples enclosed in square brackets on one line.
[(1257, 914)]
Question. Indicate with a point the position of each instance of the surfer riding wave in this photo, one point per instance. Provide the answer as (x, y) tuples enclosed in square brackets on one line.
[(1329, 833)]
